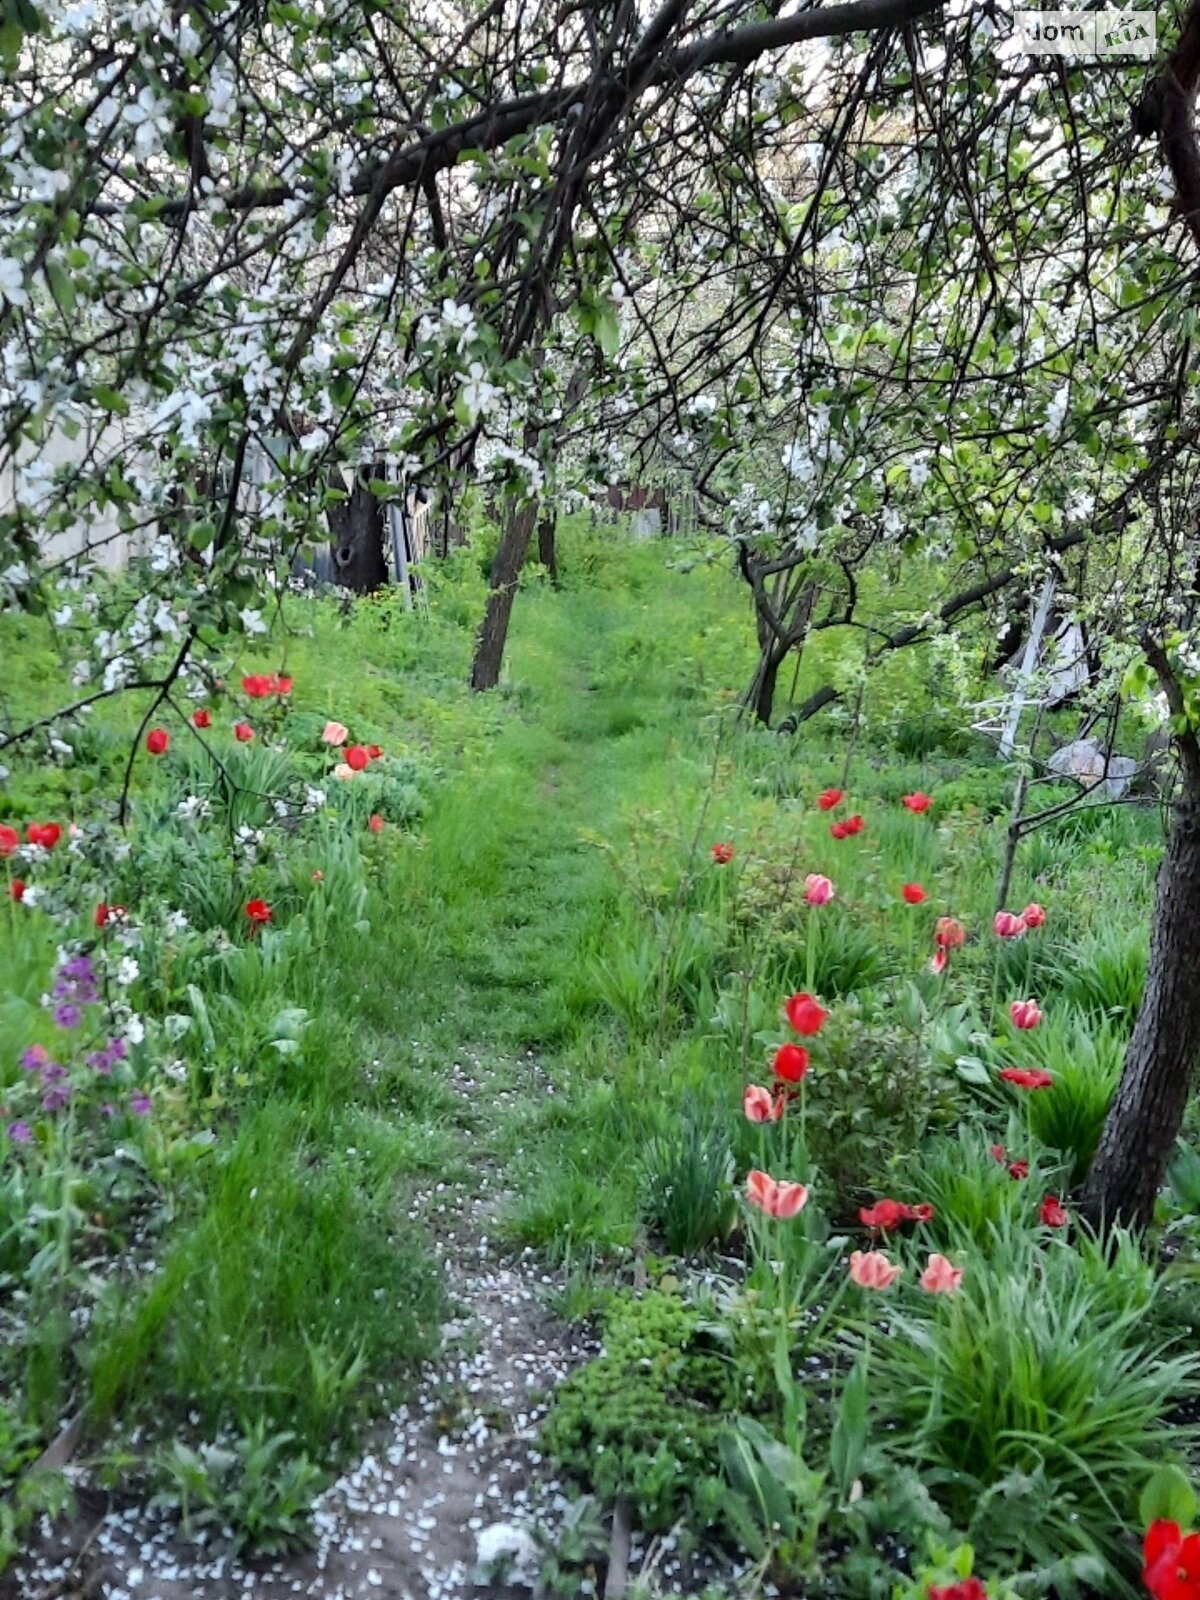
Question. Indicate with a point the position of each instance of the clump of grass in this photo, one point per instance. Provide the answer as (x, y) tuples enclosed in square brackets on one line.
[(686, 1181), (1036, 1404), (290, 1286)]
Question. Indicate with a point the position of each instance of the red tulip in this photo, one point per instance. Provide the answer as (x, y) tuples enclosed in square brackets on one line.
[(914, 894), (829, 798), (1027, 1077), (790, 1063), (1018, 1169), (722, 854), (258, 687), (374, 751), (1053, 1214), (1007, 925), (10, 841), (805, 1014), (940, 961), (157, 741), (357, 757), (258, 911), (917, 802), (1025, 1013), (243, 732), (202, 718), (855, 824), (887, 1215), (998, 1153), (777, 1198), (965, 1589), (760, 1105), (17, 888), (47, 834), (839, 830), (1033, 915), (818, 890), (375, 822), (948, 933), (1171, 1562), (282, 685)]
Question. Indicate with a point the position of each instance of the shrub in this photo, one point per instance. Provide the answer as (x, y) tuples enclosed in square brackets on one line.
[(872, 1093), (643, 1418)]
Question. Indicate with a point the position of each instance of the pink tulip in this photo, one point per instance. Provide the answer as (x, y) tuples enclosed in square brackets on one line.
[(334, 733), (1033, 915), (1007, 925), (818, 890), (873, 1270), (760, 1105), (343, 773), (1025, 1013), (779, 1199), (940, 961), (940, 1276)]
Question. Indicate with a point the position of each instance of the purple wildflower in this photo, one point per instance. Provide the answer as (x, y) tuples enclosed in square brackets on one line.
[(20, 1133), (55, 1099), (36, 1056), (67, 1014), (140, 1103), (100, 1061), (108, 1109)]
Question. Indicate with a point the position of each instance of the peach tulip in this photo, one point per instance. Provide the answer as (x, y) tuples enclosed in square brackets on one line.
[(777, 1198), (818, 890), (872, 1269), (941, 1276)]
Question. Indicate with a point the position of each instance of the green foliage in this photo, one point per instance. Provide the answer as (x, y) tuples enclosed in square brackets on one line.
[(1105, 973), (289, 1269), (1037, 1403), (874, 1096), (1085, 1058), (642, 1419), (686, 1181), (257, 1488)]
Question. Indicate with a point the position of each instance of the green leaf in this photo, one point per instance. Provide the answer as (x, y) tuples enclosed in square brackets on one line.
[(1168, 1497), (607, 329), (110, 399), (61, 287), (849, 1438)]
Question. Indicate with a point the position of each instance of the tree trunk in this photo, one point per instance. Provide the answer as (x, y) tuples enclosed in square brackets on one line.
[(1147, 1110), (760, 698), (548, 543), (356, 528), (502, 586)]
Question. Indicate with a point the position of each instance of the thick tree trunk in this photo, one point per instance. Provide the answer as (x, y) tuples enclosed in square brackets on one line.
[(502, 586), (548, 542), (356, 529), (1147, 1110)]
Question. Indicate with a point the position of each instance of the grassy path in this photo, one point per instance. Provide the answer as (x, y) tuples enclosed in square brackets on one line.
[(476, 1032)]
